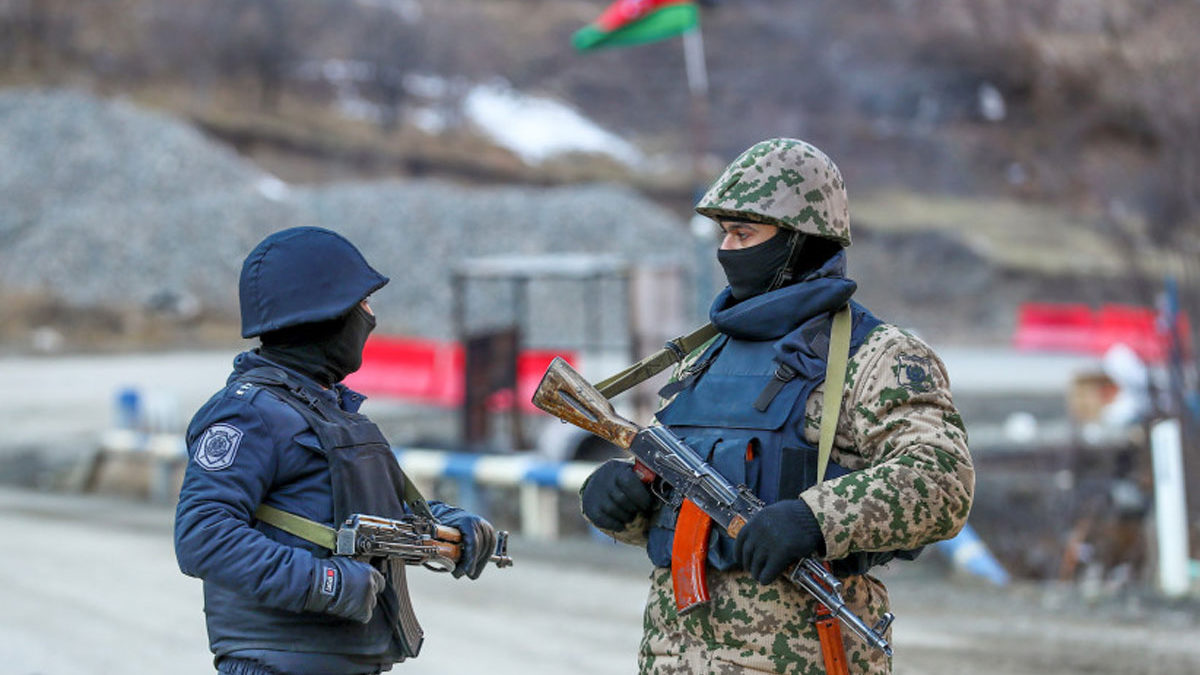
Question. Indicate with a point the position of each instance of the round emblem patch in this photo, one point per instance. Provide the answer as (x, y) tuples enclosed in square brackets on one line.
[(915, 373), (218, 446)]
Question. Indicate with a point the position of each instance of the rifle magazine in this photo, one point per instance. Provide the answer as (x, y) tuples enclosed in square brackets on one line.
[(405, 625)]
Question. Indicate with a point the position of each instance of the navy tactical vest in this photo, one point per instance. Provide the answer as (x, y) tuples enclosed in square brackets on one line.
[(741, 405)]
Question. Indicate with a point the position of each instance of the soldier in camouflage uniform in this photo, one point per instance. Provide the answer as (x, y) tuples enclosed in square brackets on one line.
[(901, 474)]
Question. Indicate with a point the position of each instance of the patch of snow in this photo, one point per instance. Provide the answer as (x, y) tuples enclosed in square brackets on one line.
[(428, 120), (537, 128), (991, 103), (272, 188), (352, 106), (428, 86), (534, 127)]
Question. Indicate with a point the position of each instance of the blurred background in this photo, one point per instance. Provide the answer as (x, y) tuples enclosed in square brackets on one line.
[(1024, 180)]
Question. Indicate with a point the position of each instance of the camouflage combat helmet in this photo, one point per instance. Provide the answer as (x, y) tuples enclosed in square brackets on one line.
[(783, 182)]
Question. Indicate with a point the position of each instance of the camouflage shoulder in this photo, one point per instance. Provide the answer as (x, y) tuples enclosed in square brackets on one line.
[(913, 362)]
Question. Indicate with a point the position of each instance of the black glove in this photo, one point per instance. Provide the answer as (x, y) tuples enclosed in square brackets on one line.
[(614, 495), (478, 543), (345, 587), (776, 537)]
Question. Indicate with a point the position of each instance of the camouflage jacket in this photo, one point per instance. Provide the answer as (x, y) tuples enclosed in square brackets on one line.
[(911, 484)]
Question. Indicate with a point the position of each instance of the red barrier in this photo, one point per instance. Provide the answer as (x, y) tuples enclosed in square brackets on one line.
[(1136, 327), (1054, 327), (1080, 329), (427, 371), (531, 366), (431, 372)]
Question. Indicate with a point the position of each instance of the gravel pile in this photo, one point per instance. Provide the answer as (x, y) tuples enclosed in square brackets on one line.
[(106, 205), (418, 232)]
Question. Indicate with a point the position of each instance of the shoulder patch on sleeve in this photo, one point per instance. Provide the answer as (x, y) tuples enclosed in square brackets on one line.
[(915, 373), (218, 446)]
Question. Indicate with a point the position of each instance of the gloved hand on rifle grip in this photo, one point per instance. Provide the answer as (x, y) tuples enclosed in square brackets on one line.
[(776, 537), (345, 587), (478, 542), (614, 495)]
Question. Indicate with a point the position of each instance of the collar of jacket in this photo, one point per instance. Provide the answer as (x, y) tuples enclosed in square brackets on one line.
[(772, 315), (340, 395)]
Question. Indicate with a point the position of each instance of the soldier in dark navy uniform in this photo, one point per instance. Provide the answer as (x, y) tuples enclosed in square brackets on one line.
[(285, 432)]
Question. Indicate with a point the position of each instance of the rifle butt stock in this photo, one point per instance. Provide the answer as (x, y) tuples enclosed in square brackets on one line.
[(564, 393)]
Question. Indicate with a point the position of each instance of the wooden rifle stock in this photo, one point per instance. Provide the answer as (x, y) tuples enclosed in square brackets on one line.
[(564, 393)]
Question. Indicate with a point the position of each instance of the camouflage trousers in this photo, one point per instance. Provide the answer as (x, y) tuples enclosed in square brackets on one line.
[(752, 628)]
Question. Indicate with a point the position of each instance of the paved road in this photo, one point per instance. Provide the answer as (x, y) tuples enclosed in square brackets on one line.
[(91, 588)]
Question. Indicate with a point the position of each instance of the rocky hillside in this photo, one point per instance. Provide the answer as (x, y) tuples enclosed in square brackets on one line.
[(996, 150), (120, 221)]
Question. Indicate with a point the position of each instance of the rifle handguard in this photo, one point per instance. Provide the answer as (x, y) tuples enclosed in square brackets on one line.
[(414, 540)]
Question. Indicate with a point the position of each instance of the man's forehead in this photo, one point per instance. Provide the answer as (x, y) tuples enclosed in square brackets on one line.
[(727, 225)]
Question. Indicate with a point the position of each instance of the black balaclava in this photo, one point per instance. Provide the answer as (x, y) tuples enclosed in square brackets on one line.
[(326, 351), (755, 270), (810, 255)]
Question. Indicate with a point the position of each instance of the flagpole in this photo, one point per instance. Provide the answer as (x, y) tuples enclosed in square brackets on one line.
[(697, 77), (701, 228)]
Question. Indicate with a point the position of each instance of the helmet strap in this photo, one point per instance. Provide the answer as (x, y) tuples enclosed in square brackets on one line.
[(787, 272)]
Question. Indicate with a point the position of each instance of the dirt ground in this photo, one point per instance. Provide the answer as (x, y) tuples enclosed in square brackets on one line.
[(571, 605), (958, 626)]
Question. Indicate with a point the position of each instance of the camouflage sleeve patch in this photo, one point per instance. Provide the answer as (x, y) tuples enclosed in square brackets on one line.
[(913, 480), (636, 533)]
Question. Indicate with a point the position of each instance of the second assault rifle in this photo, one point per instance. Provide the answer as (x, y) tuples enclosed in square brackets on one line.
[(415, 540), (660, 454), (412, 540)]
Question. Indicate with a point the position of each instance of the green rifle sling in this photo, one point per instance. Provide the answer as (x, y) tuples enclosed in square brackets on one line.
[(835, 380), (308, 530), (675, 351), (323, 535)]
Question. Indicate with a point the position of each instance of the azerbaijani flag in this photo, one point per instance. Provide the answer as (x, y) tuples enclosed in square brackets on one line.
[(635, 22)]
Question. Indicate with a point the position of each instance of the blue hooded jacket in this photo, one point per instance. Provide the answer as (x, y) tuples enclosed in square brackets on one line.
[(248, 447)]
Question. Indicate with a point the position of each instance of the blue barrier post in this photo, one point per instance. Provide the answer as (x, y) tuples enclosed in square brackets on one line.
[(968, 553)]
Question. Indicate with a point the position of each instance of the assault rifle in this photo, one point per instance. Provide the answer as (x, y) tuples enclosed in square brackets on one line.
[(660, 454), (415, 540)]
